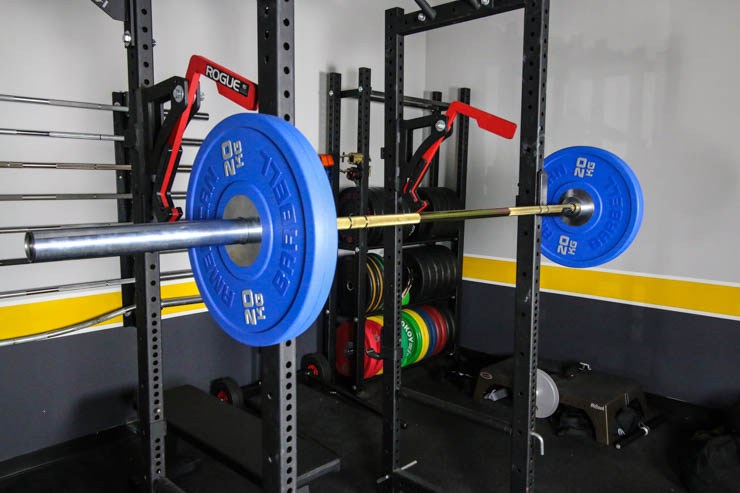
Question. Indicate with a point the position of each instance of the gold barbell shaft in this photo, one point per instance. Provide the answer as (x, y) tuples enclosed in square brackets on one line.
[(385, 220)]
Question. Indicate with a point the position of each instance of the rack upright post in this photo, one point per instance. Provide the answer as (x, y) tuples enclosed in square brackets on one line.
[(364, 89), (276, 77), (531, 176), (144, 121), (333, 147), (527, 294)]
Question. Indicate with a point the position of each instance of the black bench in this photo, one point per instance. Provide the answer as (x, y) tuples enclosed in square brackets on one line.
[(233, 436)]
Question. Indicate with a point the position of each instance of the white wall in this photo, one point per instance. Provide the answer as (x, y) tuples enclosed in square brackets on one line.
[(654, 82), (71, 50)]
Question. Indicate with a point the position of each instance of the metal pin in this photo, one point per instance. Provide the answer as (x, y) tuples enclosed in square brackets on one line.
[(541, 440), (178, 93)]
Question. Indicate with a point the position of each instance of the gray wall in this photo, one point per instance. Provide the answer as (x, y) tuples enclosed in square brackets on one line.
[(654, 83), (650, 81), (60, 389), (71, 50), (57, 390)]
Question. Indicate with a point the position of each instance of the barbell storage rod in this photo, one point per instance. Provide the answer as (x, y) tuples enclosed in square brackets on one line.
[(66, 166), (55, 134), (9, 98), (81, 286), (24, 197), (61, 135), (98, 319), (46, 227), (183, 168), (15, 197), (82, 243)]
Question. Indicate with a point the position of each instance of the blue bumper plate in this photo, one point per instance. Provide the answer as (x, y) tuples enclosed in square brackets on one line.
[(617, 201), (267, 293)]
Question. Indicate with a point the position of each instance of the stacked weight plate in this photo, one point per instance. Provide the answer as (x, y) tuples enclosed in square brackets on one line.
[(425, 331), (432, 272), (439, 199), (377, 199), (345, 348), (373, 284), (347, 205)]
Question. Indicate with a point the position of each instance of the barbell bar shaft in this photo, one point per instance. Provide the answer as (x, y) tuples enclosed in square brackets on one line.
[(79, 135), (183, 168), (23, 197), (82, 286), (138, 238), (103, 317), (12, 262), (9, 98), (81, 243), (385, 220), (58, 227), (61, 135), (46, 227), (16, 197), (65, 166)]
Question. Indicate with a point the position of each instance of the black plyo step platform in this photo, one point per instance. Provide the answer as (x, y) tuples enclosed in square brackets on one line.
[(599, 395), (234, 436)]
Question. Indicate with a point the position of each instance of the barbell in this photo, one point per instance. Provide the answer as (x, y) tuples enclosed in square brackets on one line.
[(262, 225)]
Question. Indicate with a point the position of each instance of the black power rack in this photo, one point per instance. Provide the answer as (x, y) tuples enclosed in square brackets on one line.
[(531, 178), (365, 95), (275, 33)]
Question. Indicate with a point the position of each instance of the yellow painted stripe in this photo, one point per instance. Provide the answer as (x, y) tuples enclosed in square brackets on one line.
[(705, 297), (32, 318), (679, 294), (489, 270)]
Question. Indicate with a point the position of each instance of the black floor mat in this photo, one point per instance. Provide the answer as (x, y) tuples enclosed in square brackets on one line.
[(455, 454)]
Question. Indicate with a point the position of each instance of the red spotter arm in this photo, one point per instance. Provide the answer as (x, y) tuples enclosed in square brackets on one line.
[(423, 157), (231, 85)]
